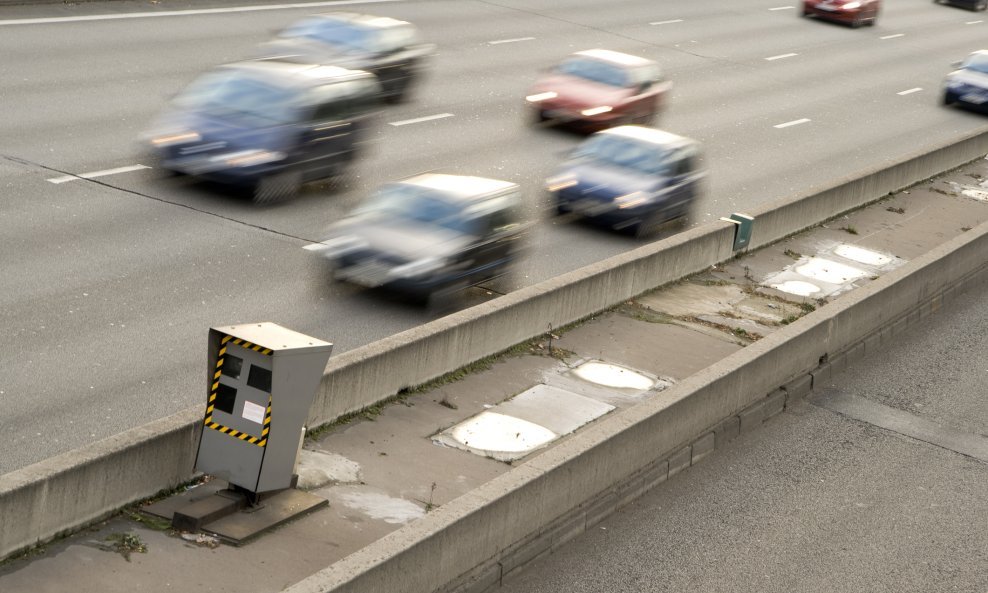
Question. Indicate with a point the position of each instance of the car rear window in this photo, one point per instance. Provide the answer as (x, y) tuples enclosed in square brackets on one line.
[(626, 153), (594, 70), (347, 36), (978, 63), (417, 204), (235, 96)]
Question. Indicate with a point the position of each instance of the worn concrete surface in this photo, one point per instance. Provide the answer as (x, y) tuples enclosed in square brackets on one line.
[(387, 471)]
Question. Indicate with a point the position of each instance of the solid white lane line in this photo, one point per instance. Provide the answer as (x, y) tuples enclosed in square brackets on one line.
[(419, 119), (794, 122), (499, 41), (973, 22), (667, 22), (893, 36), (910, 91), (65, 178), (780, 57), (782, 8), (145, 15)]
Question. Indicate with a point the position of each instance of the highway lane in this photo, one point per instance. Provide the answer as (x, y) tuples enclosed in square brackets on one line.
[(117, 278)]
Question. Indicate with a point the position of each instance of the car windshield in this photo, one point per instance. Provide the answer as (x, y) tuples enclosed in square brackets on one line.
[(594, 70), (347, 36), (625, 152), (232, 95), (977, 62), (416, 204)]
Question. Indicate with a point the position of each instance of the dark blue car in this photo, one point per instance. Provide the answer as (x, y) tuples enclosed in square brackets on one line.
[(969, 84), (266, 126), (629, 177), (429, 235)]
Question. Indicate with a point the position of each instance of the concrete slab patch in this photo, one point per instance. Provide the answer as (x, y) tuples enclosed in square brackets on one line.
[(376, 504), (692, 299), (862, 255), (528, 421), (829, 272), (558, 410), (318, 468), (978, 193), (501, 437), (798, 288), (660, 349), (612, 375)]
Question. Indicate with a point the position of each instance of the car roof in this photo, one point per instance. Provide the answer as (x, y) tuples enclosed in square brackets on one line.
[(650, 135), (462, 188), (292, 74), (366, 20), (614, 57)]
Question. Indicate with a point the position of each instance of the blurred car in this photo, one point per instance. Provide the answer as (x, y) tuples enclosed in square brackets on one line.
[(599, 88), (390, 49), (430, 234), (266, 126), (629, 177), (968, 85), (979, 5), (850, 12)]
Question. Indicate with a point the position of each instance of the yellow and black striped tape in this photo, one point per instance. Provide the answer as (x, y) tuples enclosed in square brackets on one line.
[(260, 441)]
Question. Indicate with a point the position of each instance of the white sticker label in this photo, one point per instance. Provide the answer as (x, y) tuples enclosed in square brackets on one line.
[(254, 412)]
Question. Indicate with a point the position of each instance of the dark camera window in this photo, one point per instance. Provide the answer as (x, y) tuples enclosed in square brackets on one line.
[(225, 398), (259, 378), (232, 366)]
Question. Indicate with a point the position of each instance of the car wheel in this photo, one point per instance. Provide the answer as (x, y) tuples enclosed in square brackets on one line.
[(949, 98), (649, 226), (982, 5), (443, 300), (400, 95), (279, 186), (856, 23)]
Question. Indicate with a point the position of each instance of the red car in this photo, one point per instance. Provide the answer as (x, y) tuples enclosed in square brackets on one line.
[(851, 12), (600, 89)]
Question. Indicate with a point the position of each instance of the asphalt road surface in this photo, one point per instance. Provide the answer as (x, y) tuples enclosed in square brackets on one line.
[(826, 498), (108, 284)]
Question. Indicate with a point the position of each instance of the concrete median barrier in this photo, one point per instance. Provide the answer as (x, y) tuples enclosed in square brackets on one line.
[(44, 500), (473, 542)]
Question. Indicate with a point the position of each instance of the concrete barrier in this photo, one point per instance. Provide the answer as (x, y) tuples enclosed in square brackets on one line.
[(42, 501), (471, 543), (364, 376)]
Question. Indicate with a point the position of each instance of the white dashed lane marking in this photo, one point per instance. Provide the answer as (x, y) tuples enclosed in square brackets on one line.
[(794, 122), (515, 40), (667, 22), (417, 120), (145, 15), (973, 22), (910, 91), (893, 36), (95, 174), (782, 8), (779, 57)]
